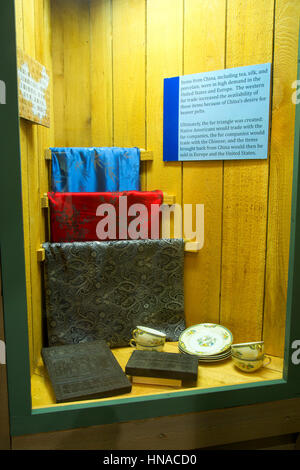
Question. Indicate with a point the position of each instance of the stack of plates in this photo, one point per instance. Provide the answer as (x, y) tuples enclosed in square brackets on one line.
[(209, 342)]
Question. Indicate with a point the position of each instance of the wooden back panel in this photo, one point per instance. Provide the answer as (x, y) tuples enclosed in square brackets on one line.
[(109, 59)]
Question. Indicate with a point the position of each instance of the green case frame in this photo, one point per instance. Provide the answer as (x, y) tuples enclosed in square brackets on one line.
[(23, 419)]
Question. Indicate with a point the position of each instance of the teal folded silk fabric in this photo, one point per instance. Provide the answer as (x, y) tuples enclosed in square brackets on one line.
[(103, 290), (95, 169)]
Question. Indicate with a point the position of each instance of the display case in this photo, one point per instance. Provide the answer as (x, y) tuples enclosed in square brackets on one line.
[(107, 61)]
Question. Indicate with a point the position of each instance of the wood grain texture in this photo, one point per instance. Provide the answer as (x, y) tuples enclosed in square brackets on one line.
[(145, 155), (57, 50), (34, 213), (45, 138), (189, 431), (34, 37), (128, 18), (40, 54), (101, 73), (77, 92), (249, 41), (19, 23), (24, 125), (71, 65), (287, 14), (164, 59), (129, 73), (204, 50)]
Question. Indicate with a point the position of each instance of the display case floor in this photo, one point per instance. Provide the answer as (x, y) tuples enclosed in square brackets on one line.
[(210, 375)]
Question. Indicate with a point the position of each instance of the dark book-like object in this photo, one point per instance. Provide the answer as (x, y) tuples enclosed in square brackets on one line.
[(161, 368), (84, 371)]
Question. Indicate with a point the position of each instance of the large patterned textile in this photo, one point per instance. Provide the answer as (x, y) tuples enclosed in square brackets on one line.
[(95, 169), (84, 216), (103, 290)]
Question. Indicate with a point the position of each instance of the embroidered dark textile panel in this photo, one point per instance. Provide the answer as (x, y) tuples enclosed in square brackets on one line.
[(103, 290)]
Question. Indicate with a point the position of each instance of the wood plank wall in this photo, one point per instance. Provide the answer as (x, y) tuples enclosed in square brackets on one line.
[(109, 59), (34, 37), (127, 48)]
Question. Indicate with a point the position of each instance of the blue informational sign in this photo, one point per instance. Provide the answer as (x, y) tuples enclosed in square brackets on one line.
[(221, 115)]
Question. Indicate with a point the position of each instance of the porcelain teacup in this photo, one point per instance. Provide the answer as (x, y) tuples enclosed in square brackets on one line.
[(251, 365), (251, 351), (148, 337), (134, 344)]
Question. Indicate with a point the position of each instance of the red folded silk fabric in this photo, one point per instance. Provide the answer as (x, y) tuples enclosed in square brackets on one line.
[(105, 216)]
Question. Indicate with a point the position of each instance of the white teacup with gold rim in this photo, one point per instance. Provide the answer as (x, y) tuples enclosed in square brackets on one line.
[(134, 344), (146, 336), (251, 351), (251, 365)]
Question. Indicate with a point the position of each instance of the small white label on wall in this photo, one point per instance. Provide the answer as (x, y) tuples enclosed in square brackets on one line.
[(2, 92), (34, 91)]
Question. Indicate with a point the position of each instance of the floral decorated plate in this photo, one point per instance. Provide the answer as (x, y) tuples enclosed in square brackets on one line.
[(227, 352), (202, 360), (213, 359), (216, 357), (205, 339)]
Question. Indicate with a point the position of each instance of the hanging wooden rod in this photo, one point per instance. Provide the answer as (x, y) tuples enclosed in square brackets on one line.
[(189, 247), (146, 155), (167, 199)]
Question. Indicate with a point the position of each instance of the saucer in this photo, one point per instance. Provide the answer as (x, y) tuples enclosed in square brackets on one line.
[(205, 340)]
